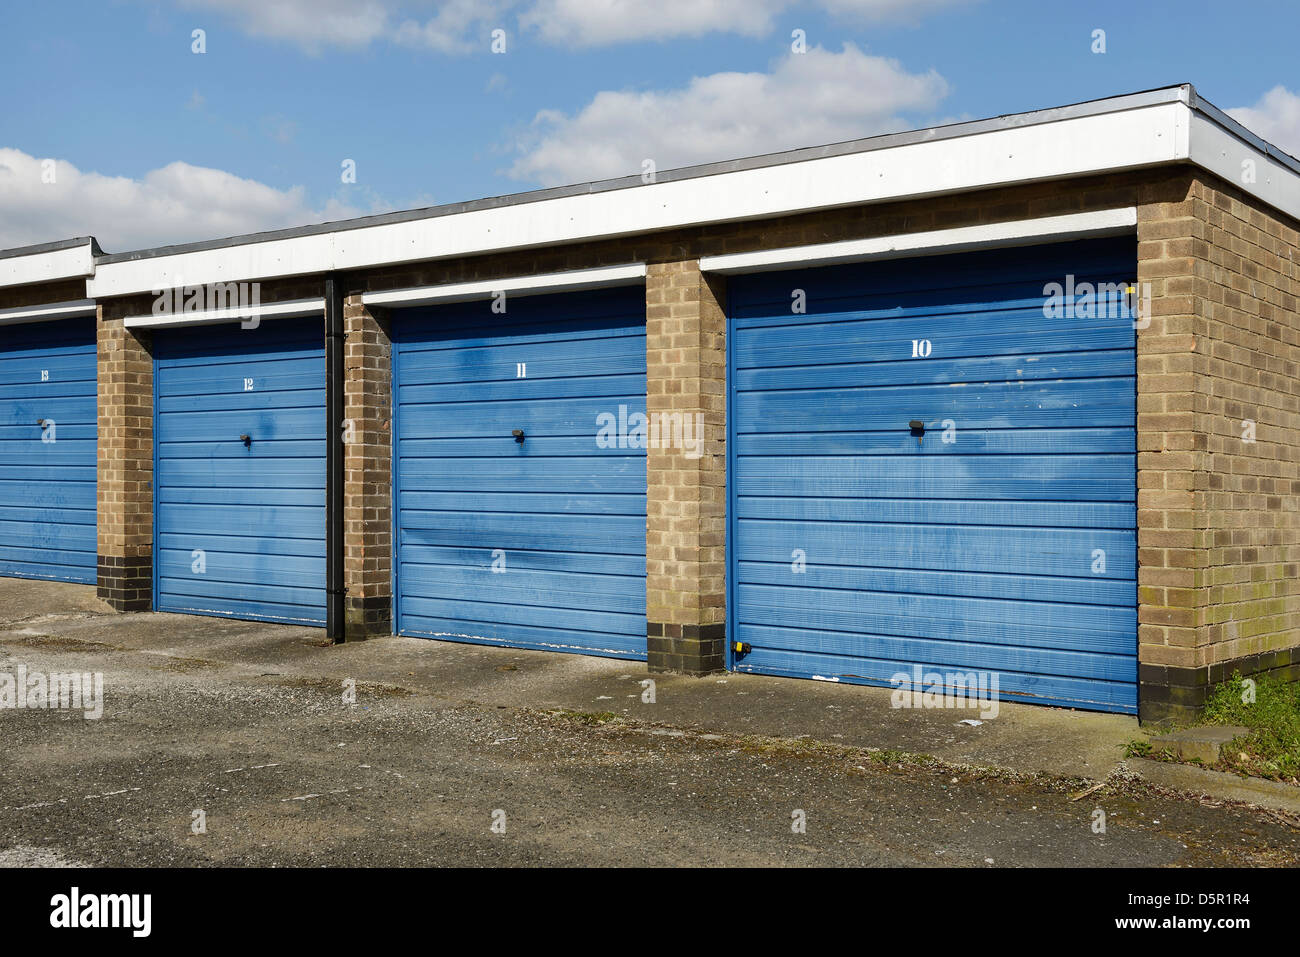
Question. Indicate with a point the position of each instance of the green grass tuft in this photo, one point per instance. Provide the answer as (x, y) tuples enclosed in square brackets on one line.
[(1272, 748)]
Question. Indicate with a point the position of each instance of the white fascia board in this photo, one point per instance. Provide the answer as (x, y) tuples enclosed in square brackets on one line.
[(1244, 165), (299, 256), (47, 312), (1065, 148), (74, 262), (572, 281), (1108, 222), (1104, 142), (209, 317)]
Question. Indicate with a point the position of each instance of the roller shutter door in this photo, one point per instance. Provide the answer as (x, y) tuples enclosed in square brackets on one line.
[(47, 450), (240, 523), (1001, 539), (538, 543)]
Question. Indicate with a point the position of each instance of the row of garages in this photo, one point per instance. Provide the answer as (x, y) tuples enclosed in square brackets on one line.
[(941, 438), (921, 468)]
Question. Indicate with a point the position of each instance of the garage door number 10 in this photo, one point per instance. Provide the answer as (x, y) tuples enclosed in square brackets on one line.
[(920, 348)]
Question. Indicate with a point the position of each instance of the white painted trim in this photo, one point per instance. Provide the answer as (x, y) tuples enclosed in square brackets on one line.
[(208, 317), (1135, 138), (74, 262), (1023, 232), (1219, 151), (571, 281), (47, 312)]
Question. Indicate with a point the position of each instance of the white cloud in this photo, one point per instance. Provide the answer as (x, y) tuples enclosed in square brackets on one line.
[(807, 100), (460, 26), (309, 24), (907, 11), (596, 22), (1276, 117), (444, 26), (177, 203)]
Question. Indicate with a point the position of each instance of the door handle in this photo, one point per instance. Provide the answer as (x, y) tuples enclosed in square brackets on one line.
[(247, 440), (518, 434)]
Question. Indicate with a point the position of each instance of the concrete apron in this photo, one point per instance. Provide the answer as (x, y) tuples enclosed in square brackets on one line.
[(1024, 739)]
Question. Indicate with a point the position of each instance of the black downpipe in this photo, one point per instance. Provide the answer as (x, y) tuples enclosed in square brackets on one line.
[(335, 629)]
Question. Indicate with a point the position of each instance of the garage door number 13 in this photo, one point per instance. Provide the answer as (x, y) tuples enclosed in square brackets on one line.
[(921, 348)]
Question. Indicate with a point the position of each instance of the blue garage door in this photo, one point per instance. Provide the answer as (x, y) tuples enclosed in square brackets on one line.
[(537, 543), (47, 450), (1003, 538), (240, 523)]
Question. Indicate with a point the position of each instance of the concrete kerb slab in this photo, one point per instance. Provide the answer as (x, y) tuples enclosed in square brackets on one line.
[(1204, 743), (1218, 785)]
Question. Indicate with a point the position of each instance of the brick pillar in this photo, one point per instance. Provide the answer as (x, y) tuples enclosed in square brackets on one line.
[(1172, 543), (368, 468), (124, 462), (686, 500)]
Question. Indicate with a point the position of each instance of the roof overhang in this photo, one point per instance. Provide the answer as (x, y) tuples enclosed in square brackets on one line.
[(247, 313), (1137, 131), (48, 312), (48, 262), (574, 280)]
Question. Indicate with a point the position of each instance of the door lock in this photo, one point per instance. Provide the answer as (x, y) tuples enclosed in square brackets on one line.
[(918, 429), (518, 434), (247, 440)]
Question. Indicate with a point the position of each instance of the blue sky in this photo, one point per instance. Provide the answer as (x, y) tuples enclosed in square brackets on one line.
[(153, 143)]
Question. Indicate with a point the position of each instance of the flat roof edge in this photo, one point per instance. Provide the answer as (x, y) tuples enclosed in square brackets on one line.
[(60, 245), (1237, 129), (1184, 93)]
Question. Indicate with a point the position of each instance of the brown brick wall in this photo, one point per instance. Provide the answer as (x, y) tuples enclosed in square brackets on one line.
[(38, 294), (1219, 518), (124, 467), (1250, 372), (367, 463), (686, 495)]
